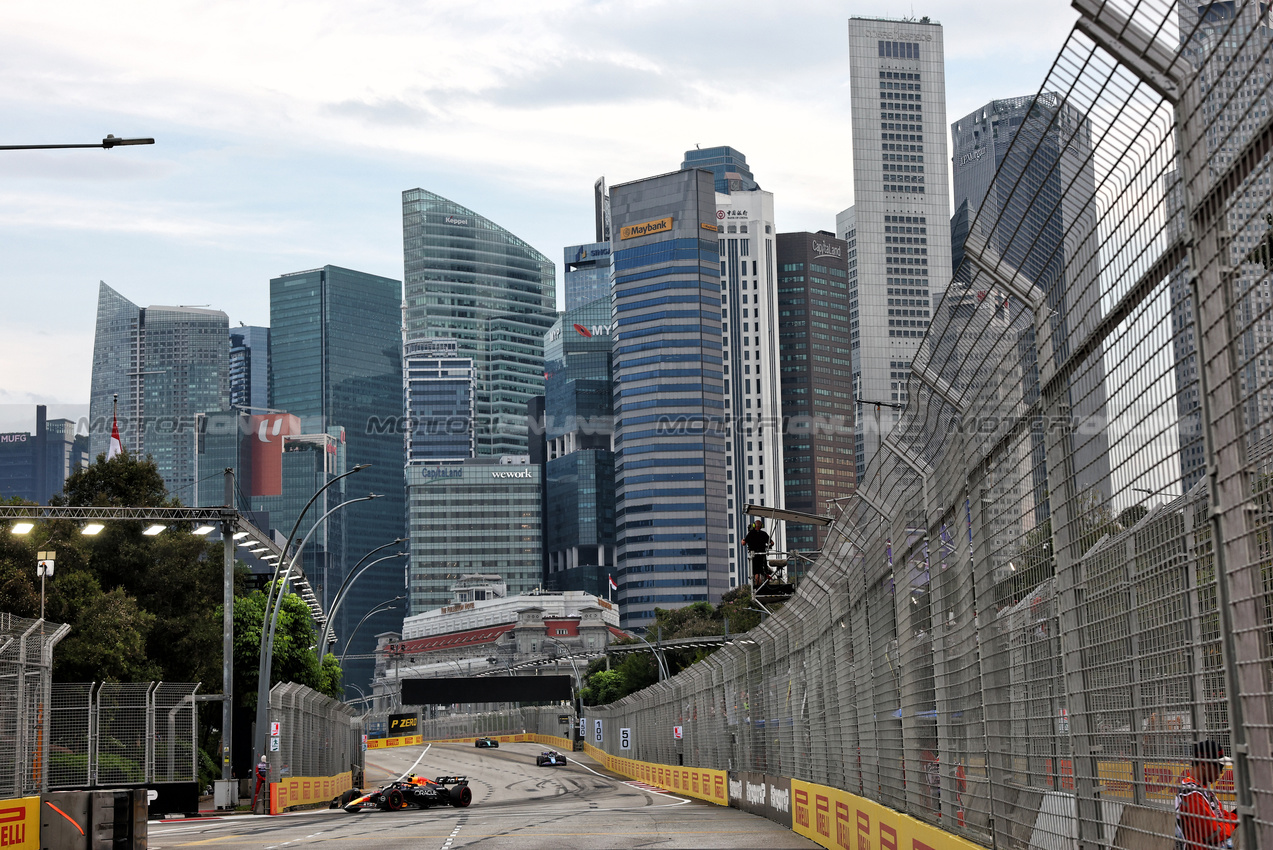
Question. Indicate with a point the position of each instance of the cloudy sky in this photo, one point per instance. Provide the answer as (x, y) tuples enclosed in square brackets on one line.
[(286, 132)]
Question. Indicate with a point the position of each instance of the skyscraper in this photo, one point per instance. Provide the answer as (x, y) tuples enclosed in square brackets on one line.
[(901, 214), (670, 487), (336, 362), (749, 350), (250, 367), (579, 537), (438, 387), (817, 377), (167, 365), (1052, 160), (587, 273), (470, 280)]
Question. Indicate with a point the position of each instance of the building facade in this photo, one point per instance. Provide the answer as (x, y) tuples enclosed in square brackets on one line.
[(470, 280), (438, 398), (670, 483), (1054, 161), (336, 363), (817, 378), (250, 367), (35, 466), (728, 166), (901, 215), (587, 273), (166, 365), (749, 350), (482, 515), (579, 536)]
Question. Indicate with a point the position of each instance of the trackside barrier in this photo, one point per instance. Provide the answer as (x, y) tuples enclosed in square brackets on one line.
[(844, 821), (20, 823), (701, 782), (307, 790), (528, 738)]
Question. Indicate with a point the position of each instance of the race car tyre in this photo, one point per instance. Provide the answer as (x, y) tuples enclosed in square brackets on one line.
[(393, 800), (461, 796)]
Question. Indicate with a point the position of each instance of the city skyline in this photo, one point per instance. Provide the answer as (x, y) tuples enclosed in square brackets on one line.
[(227, 200)]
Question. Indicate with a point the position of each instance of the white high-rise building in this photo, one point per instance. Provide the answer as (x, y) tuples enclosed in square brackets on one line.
[(900, 218), (753, 392)]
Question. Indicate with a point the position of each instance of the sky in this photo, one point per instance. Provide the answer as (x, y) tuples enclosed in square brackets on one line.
[(287, 131)]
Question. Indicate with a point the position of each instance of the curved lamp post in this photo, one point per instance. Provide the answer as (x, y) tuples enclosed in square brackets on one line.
[(271, 617), (387, 605), (344, 586), (578, 683), (658, 658)]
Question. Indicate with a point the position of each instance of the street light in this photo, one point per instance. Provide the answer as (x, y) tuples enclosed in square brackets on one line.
[(578, 682), (267, 634), (387, 605), (344, 586), (111, 141)]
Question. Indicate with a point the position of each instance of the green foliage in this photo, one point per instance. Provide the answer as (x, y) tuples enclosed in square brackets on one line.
[(633, 671), (293, 661)]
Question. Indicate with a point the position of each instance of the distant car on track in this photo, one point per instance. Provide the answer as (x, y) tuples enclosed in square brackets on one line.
[(550, 758), (486, 742), (412, 791)]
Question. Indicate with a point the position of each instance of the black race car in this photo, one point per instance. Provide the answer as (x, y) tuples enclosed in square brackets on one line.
[(550, 758), (414, 791), (486, 742)]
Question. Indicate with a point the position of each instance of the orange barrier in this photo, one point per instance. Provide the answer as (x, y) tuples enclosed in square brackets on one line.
[(838, 819), (20, 823), (701, 782), (306, 790), (401, 741)]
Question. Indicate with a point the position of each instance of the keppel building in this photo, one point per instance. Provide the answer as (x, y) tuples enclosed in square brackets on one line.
[(900, 221), (166, 365), (670, 480), (470, 280), (579, 535), (336, 363), (817, 377)]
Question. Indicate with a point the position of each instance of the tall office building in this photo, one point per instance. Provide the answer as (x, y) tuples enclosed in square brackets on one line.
[(250, 367), (336, 362), (670, 487), (900, 221), (167, 365), (579, 538), (438, 390), (749, 350), (36, 466), (817, 377), (277, 469), (1229, 38), (1053, 160), (587, 275), (470, 280), (482, 515)]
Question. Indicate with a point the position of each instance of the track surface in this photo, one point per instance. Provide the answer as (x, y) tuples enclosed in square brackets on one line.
[(516, 806)]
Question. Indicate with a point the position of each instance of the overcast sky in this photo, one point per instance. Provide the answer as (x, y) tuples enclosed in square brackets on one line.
[(286, 132)]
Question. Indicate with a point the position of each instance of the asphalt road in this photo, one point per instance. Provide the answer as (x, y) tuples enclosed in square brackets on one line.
[(516, 806)]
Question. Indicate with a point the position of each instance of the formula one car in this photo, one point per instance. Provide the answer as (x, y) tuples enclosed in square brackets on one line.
[(486, 742), (549, 758), (415, 791)]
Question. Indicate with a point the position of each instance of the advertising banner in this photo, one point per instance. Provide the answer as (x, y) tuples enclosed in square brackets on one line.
[(402, 741), (403, 724), (838, 819), (20, 823), (761, 794), (266, 453), (304, 790)]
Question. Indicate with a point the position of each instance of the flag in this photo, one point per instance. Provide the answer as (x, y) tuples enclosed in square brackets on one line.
[(613, 586), (116, 446)]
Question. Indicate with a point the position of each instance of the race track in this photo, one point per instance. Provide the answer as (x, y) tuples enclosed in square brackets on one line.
[(516, 806)]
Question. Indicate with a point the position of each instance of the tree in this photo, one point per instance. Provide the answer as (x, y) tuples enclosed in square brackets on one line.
[(293, 660)]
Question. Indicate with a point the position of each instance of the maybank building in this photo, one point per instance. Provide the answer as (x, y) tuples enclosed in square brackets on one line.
[(479, 516), (668, 398)]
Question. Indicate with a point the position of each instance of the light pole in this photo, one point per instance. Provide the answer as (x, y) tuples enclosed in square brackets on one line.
[(387, 605), (578, 683), (658, 659), (344, 587), (111, 141), (271, 618), (43, 569)]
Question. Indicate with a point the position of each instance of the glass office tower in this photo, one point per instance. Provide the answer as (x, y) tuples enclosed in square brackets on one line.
[(668, 397), (438, 391), (587, 275), (579, 465), (336, 362), (250, 367), (167, 365), (470, 280)]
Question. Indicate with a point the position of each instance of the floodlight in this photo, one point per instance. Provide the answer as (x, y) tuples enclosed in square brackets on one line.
[(205, 529), (152, 530), (91, 528), (23, 527), (239, 535)]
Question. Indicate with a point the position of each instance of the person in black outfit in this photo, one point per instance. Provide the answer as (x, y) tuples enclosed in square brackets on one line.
[(758, 543)]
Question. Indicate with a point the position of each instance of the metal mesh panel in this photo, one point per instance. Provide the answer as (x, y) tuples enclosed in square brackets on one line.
[(176, 725), (122, 751), (70, 727), (317, 735)]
